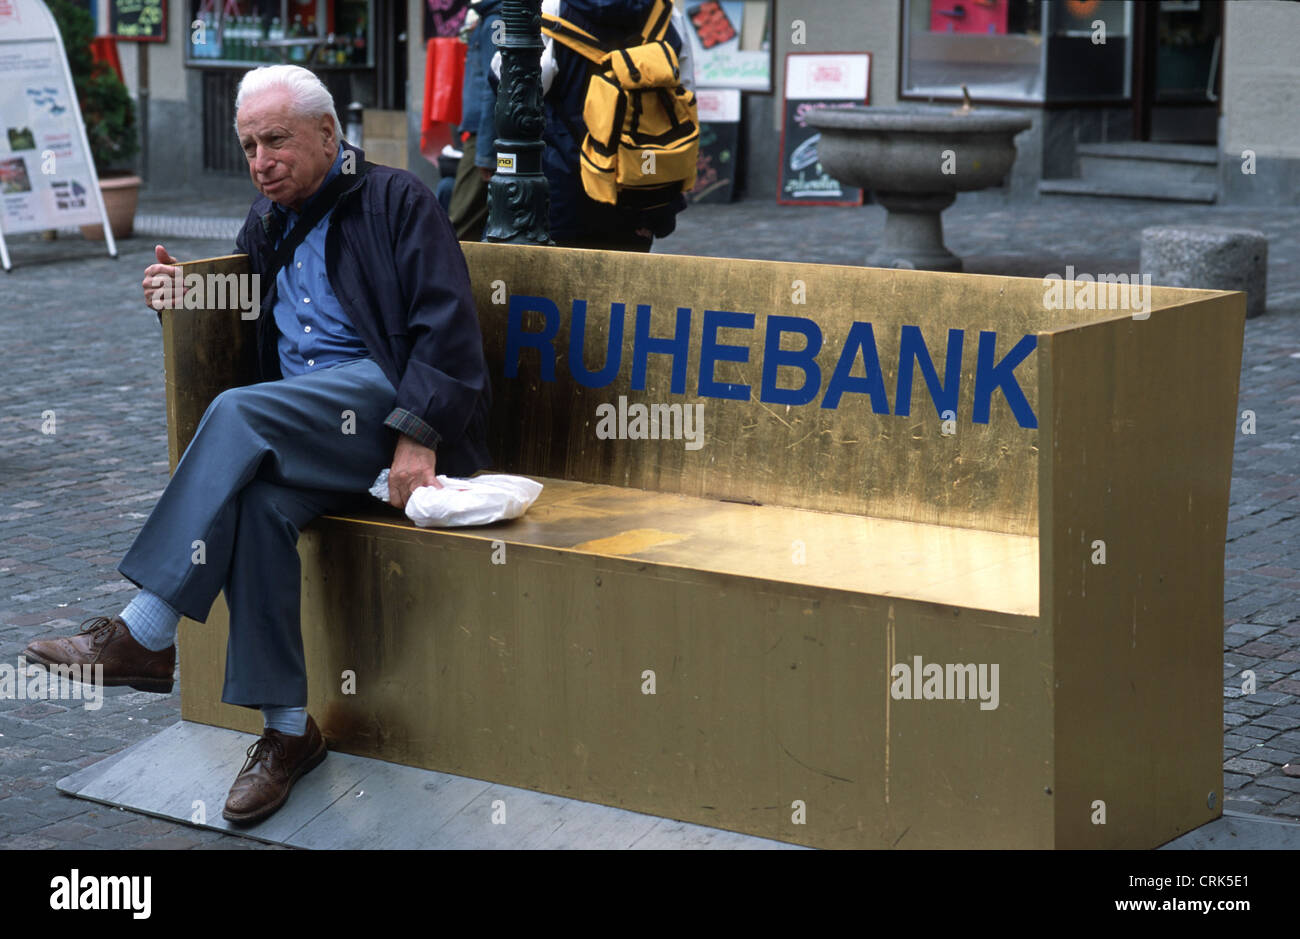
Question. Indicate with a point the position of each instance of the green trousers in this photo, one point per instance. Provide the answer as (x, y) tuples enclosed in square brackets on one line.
[(468, 209)]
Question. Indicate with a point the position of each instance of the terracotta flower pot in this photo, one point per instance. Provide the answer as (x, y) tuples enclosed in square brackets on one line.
[(121, 194)]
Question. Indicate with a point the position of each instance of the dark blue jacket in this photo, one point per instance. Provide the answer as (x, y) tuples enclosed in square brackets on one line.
[(478, 100), (398, 272), (574, 215)]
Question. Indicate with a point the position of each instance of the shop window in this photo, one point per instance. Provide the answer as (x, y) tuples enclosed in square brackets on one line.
[(314, 33), (993, 47), (1088, 52)]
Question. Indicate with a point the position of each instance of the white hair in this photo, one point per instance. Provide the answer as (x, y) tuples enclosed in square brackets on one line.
[(308, 96)]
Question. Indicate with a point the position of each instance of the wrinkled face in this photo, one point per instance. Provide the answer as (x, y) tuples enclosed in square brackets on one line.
[(288, 155)]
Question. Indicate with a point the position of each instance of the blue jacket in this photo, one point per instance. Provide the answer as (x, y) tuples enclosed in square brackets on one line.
[(478, 100), (398, 272), (574, 215)]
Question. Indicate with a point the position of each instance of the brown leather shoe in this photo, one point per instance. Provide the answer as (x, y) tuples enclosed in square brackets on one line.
[(275, 762), (106, 641)]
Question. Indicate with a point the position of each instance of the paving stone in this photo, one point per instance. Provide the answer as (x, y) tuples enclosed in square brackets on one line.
[(1273, 755), (20, 822), (1243, 765), (29, 843), (146, 827), (1247, 707), (1280, 781), (177, 842), (50, 809), (1249, 630), (67, 831), (1238, 742), (1280, 721), (1262, 794), (1271, 699), (1244, 805), (1288, 807)]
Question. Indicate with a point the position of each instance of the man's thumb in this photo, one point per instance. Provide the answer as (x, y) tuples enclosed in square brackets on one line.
[(163, 257)]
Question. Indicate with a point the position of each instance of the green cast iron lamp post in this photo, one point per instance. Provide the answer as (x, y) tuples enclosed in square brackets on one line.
[(519, 199)]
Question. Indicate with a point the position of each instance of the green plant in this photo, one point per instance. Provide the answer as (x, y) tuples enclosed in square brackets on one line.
[(106, 106)]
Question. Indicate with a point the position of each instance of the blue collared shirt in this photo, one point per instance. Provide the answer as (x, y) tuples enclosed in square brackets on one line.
[(315, 332)]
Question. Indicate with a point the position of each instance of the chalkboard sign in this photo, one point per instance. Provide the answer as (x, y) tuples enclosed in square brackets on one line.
[(802, 179), (138, 20), (814, 80), (715, 168)]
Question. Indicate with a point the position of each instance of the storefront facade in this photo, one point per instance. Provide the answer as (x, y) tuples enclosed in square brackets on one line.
[(1217, 77), (359, 48), (1195, 78)]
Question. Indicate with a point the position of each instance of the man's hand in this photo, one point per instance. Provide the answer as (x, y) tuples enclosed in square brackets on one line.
[(158, 280), (414, 465)]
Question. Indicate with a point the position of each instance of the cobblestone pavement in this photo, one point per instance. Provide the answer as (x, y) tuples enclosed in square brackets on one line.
[(77, 340)]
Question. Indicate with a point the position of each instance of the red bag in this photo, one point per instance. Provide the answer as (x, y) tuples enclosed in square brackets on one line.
[(103, 49), (444, 82)]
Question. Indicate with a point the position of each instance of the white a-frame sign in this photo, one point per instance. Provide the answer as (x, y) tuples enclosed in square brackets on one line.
[(47, 178)]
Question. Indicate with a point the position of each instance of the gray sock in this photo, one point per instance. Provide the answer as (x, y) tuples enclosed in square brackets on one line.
[(286, 720), (151, 622)]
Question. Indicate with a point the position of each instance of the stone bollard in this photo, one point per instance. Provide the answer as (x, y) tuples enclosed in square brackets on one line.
[(1208, 257)]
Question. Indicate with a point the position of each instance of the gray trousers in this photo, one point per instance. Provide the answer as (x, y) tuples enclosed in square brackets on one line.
[(266, 460)]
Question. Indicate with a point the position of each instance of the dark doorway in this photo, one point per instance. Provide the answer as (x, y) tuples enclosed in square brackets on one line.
[(1177, 68)]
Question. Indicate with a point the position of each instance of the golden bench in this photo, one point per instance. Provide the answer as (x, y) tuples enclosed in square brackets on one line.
[(745, 633)]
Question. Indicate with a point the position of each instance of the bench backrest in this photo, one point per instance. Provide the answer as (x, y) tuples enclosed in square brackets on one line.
[(896, 394), (889, 393)]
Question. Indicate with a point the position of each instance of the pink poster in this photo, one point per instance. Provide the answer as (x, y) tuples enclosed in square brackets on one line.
[(968, 16)]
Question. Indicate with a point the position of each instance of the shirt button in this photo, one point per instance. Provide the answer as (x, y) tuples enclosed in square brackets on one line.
[(306, 329), (311, 361), (306, 299), (299, 265)]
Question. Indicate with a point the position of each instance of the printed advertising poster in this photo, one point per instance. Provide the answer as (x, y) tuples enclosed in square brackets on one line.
[(729, 45), (814, 80), (45, 175)]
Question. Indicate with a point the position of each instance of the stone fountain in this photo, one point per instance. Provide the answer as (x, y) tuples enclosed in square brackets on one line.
[(915, 160)]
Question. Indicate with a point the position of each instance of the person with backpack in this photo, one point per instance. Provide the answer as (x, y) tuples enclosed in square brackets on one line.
[(622, 130)]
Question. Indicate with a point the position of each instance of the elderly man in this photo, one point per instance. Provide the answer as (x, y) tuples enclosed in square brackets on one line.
[(370, 356)]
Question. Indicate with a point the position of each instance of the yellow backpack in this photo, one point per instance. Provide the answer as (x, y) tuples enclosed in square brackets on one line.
[(643, 131)]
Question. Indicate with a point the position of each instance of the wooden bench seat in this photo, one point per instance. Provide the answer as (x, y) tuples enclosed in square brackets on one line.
[(943, 569)]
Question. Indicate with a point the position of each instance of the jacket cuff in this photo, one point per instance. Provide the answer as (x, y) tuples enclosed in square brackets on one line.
[(408, 423)]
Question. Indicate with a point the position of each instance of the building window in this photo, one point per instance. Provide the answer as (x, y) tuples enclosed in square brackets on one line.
[(993, 47), (1088, 50), (319, 34)]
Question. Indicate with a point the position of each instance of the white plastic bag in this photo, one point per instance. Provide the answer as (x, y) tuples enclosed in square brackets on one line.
[(460, 502)]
